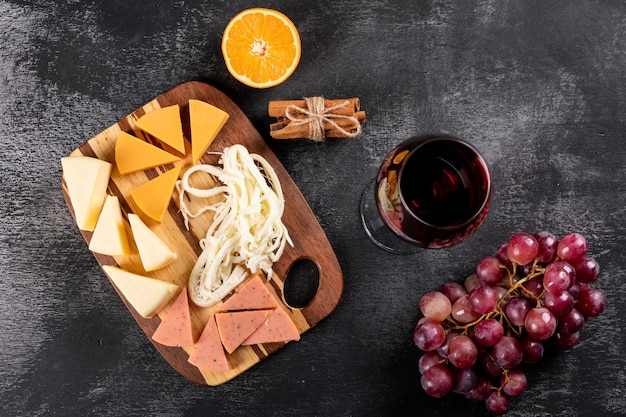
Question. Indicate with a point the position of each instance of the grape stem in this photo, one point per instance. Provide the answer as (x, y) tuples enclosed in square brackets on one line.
[(512, 291)]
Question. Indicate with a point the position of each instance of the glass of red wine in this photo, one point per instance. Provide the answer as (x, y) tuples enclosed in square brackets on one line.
[(431, 191)]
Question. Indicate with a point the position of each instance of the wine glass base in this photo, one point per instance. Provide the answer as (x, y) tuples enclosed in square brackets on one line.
[(376, 229)]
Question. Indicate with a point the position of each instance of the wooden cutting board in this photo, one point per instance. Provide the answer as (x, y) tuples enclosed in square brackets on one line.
[(310, 241)]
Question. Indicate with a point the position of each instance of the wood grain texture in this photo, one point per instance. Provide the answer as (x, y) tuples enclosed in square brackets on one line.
[(309, 240)]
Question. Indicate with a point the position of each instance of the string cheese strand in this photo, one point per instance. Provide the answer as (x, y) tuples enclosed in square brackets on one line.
[(247, 228)]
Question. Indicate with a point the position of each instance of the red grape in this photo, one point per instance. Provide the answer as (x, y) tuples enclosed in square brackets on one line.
[(435, 306), (429, 336), (472, 282), (564, 265), (429, 359), (488, 270), (532, 350), (497, 403), (572, 322), (516, 310), (587, 269), (508, 352), (452, 290), (462, 352), (481, 390), (483, 299), (500, 293), (463, 312), (540, 323), (522, 248), (572, 247), (463, 380), (488, 332), (437, 381), (591, 302), (547, 243), (514, 382), (501, 254), (556, 279), (559, 304)]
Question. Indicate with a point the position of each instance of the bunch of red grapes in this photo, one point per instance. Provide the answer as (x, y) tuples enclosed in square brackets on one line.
[(533, 293)]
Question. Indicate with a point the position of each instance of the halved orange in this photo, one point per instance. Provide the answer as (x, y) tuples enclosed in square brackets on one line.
[(261, 47)]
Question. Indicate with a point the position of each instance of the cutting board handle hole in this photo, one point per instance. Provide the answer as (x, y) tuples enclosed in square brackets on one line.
[(301, 283)]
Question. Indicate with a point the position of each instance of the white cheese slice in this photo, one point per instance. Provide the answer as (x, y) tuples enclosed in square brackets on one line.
[(154, 253), (109, 237), (147, 295), (87, 180)]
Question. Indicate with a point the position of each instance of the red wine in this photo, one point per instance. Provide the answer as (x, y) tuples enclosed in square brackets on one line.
[(434, 191)]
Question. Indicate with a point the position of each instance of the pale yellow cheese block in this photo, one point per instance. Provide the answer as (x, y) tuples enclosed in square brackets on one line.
[(205, 121), (153, 197), (109, 237), (154, 253), (87, 180), (147, 295), (165, 125), (133, 154)]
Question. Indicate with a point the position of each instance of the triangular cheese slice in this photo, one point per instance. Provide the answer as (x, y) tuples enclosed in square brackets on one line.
[(165, 125), (253, 296), (205, 121), (209, 353), (133, 154), (154, 253), (175, 329), (235, 327), (87, 180), (147, 295), (109, 237), (277, 328), (153, 197)]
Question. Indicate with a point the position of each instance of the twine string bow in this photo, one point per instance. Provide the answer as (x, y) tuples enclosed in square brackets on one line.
[(317, 116)]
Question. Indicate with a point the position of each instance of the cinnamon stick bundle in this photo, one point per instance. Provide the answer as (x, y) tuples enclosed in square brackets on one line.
[(316, 118)]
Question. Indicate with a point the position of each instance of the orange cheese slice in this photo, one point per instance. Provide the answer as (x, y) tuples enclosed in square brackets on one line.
[(154, 197), (133, 154), (175, 329), (253, 296), (278, 327), (235, 327), (165, 125), (205, 121), (209, 353)]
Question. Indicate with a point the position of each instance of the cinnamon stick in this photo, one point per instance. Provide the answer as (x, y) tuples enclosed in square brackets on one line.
[(287, 129)]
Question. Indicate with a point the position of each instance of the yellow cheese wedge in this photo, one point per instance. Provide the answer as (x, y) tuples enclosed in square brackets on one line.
[(133, 154), (87, 180), (154, 253), (109, 237), (206, 121), (147, 295), (153, 197), (165, 125)]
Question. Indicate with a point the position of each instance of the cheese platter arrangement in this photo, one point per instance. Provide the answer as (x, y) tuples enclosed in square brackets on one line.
[(197, 225)]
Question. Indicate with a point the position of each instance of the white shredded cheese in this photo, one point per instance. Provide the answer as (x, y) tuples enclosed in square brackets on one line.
[(247, 228)]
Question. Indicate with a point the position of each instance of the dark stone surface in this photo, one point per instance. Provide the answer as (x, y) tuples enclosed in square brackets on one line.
[(537, 87)]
